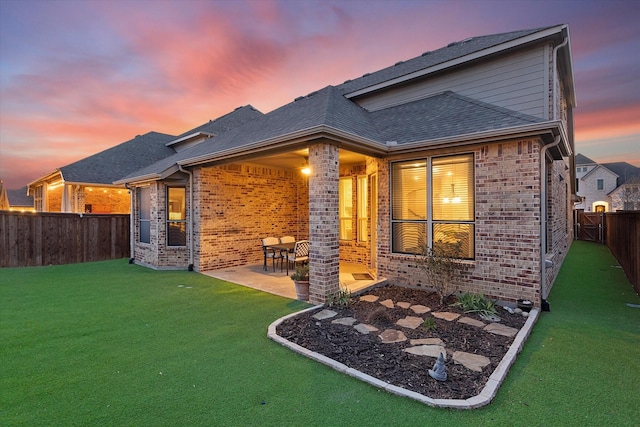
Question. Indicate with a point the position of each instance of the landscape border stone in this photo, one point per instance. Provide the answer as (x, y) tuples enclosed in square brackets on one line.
[(484, 398)]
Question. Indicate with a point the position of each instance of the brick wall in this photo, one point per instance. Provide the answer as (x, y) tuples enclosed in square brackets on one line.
[(239, 204), (507, 264)]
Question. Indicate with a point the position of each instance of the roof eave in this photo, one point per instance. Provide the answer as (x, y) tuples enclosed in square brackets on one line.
[(188, 137), (138, 179), (461, 60)]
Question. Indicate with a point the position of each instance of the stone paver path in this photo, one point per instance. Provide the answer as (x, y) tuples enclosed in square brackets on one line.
[(410, 322), (391, 335), (325, 314), (429, 347), (446, 315)]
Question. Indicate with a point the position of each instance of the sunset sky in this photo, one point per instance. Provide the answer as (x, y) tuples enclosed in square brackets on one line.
[(77, 77)]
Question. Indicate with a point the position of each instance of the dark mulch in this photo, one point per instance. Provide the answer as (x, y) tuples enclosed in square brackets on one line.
[(388, 362)]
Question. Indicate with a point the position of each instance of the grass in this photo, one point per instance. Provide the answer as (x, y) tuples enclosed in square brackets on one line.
[(115, 344)]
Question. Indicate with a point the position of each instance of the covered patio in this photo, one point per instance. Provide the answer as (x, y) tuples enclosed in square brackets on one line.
[(352, 277)]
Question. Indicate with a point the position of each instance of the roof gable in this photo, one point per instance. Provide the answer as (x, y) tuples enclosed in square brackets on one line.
[(625, 172), (583, 160)]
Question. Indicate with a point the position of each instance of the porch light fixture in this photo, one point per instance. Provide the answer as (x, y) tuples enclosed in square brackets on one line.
[(306, 170)]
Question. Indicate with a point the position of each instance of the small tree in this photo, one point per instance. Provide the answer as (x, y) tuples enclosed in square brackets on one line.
[(439, 265)]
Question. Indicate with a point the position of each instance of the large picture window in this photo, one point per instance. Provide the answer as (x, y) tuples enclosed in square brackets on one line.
[(144, 214), (346, 208), (176, 217), (433, 204)]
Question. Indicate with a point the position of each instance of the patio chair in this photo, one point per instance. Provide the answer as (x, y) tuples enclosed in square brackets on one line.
[(300, 254), (271, 253), (287, 239)]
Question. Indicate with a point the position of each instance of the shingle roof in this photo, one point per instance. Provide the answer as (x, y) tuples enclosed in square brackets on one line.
[(429, 59), (583, 160), (117, 162), (444, 115), (230, 120), (19, 197), (625, 171)]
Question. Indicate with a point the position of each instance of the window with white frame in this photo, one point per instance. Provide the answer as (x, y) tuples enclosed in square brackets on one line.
[(362, 212), (345, 208), (600, 184), (433, 203), (176, 216), (144, 214), (38, 198)]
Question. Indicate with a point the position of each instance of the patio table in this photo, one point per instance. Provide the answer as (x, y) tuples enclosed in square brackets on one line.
[(282, 247)]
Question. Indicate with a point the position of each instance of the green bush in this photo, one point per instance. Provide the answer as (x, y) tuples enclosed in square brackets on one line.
[(476, 303)]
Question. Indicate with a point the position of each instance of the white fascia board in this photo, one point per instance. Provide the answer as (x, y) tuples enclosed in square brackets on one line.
[(93, 184), (461, 60), (138, 179), (45, 178)]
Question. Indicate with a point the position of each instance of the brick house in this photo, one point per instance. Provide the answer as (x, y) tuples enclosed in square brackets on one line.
[(606, 187), (471, 143)]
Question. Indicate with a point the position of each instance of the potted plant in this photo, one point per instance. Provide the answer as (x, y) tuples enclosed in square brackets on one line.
[(301, 280)]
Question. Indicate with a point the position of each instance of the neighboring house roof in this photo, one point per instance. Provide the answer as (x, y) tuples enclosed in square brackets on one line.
[(626, 172), (19, 198), (116, 162), (583, 160)]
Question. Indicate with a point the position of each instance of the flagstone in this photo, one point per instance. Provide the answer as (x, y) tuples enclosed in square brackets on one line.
[(404, 304), (325, 314), (349, 321), (392, 335), (475, 362), (499, 329), (471, 321), (387, 303), (427, 350), (420, 309), (410, 322), (363, 328), (369, 298), (446, 315), (427, 341)]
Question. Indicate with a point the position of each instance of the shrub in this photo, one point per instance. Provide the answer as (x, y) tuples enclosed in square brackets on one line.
[(476, 303), (440, 266)]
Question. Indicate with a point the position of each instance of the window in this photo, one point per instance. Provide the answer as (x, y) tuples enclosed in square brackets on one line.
[(176, 216), (600, 184), (362, 213), (144, 214), (345, 209), (38, 199), (433, 203)]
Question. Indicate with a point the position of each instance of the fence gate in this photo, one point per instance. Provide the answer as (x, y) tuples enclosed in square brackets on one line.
[(591, 226)]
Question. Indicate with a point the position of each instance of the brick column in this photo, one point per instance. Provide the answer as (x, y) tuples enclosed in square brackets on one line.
[(324, 254)]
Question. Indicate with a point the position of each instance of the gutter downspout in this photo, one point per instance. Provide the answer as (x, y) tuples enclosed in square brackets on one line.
[(555, 76), (543, 217), (181, 169), (132, 229)]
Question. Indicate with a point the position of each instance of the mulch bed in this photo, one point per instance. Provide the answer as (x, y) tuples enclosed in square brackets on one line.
[(387, 362)]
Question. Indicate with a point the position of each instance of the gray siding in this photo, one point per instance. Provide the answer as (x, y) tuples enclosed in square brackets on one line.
[(518, 81)]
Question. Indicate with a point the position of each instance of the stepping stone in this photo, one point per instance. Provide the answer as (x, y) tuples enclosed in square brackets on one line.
[(325, 314), (387, 303), (369, 298), (420, 309), (363, 328), (391, 335), (475, 362), (499, 329), (404, 305), (410, 322), (427, 350), (472, 322), (349, 321), (427, 341), (446, 315)]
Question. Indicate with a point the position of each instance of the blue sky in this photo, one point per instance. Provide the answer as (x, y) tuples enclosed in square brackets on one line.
[(77, 77)]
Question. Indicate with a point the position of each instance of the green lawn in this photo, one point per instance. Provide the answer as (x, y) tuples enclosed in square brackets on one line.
[(110, 343)]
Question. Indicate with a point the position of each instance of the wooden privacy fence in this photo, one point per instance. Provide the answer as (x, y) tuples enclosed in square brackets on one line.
[(44, 238), (623, 240)]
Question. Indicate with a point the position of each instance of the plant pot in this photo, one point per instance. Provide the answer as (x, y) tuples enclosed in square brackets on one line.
[(525, 305), (302, 289)]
